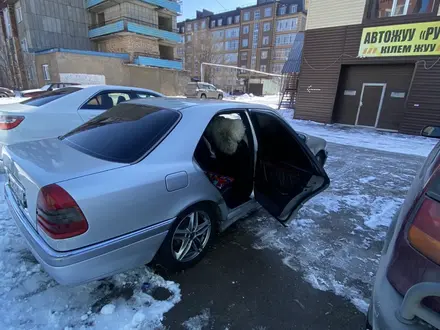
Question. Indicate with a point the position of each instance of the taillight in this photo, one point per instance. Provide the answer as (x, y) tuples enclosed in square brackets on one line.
[(424, 228), (58, 214), (424, 232), (10, 122)]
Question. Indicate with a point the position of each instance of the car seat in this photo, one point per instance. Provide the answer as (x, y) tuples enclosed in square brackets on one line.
[(106, 101), (121, 99)]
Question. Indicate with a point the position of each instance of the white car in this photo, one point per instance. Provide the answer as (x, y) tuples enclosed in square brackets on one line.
[(57, 112)]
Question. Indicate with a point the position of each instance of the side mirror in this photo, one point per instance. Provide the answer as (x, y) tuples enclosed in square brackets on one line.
[(431, 131)]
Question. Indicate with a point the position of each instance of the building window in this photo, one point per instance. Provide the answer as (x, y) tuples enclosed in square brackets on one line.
[(256, 15), (189, 27), (245, 29), (18, 14), (203, 25), (285, 39), (244, 56), (237, 19), (233, 33), (263, 68), (218, 46), (229, 20), (220, 22), (268, 12), (218, 34), (196, 27), (265, 40), (282, 10), (287, 24), (188, 38), (403, 7), (231, 45), (281, 54), (266, 27), (277, 67), (46, 73), (245, 43), (264, 54), (7, 20), (231, 58), (24, 45), (293, 9), (246, 16)]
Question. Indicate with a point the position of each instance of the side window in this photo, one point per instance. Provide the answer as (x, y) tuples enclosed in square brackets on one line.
[(143, 95), (106, 100)]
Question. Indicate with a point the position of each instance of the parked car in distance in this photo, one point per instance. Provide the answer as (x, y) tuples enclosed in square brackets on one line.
[(57, 112), (6, 92), (31, 93), (154, 180), (406, 294), (203, 90)]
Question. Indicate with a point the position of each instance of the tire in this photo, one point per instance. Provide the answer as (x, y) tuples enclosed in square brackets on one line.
[(220, 97), (203, 96), (168, 254), (320, 156), (2, 95)]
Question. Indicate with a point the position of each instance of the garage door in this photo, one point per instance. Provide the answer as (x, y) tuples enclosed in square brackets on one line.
[(372, 95)]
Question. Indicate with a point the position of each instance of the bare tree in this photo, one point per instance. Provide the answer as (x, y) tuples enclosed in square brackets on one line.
[(205, 50)]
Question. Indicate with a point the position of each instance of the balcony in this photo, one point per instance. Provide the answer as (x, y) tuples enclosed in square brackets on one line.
[(124, 24), (99, 5), (158, 62)]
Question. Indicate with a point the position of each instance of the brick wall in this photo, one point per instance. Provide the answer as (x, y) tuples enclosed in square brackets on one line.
[(129, 44)]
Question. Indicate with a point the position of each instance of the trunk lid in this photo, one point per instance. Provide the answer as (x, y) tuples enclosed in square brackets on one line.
[(191, 89), (32, 165), (15, 108)]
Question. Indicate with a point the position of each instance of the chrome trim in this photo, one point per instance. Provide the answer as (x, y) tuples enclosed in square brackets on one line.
[(57, 258)]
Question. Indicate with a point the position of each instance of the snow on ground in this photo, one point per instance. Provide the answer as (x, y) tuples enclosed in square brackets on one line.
[(30, 299), (353, 136), (336, 239)]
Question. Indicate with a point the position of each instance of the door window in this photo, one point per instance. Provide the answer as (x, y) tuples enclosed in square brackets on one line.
[(143, 95), (286, 173), (106, 100)]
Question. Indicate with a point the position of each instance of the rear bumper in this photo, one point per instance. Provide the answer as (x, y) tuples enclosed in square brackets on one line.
[(389, 310), (95, 261)]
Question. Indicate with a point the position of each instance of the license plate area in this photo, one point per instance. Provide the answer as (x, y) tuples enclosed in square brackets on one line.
[(17, 191)]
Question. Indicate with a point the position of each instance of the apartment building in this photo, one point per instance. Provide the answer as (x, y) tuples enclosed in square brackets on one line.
[(371, 63), (256, 37), (146, 30)]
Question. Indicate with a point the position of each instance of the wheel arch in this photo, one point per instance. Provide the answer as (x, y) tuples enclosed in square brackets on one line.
[(220, 210)]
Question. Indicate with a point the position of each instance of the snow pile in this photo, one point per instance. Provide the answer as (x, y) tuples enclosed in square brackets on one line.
[(269, 100), (198, 322), (31, 299)]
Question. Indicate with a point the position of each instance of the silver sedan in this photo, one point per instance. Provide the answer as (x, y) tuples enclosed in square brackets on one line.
[(154, 180)]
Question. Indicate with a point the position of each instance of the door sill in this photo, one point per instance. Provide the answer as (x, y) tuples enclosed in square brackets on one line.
[(238, 213)]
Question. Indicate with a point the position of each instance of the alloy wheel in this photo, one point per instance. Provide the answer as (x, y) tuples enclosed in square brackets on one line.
[(191, 236)]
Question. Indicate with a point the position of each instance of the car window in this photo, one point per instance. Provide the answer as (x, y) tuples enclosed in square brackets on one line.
[(106, 100), (212, 87), (124, 133), (47, 97), (143, 95)]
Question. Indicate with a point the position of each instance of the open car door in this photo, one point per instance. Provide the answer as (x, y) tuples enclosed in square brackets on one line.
[(287, 174)]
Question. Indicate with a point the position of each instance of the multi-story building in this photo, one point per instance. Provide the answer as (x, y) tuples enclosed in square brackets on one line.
[(371, 63), (256, 37), (143, 29)]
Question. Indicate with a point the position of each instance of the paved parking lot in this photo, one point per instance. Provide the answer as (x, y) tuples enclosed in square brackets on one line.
[(315, 274)]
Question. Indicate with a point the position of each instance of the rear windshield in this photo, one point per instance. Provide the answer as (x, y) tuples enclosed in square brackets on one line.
[(123, 134), (50, 96)]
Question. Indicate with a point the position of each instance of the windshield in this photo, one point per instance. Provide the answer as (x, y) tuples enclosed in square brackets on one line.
[(50, 96), (45, 87), (123, 134)]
